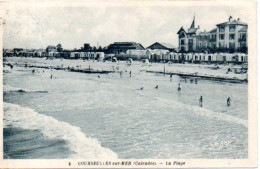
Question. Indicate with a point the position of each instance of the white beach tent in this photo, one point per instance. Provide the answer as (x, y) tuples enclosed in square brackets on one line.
[(195, 57), (241, 57), (231, 57), (100, 55), (189, 56)]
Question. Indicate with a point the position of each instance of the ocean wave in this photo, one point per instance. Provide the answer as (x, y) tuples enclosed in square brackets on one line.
[(84, 147), (20, 90), (205, 112)]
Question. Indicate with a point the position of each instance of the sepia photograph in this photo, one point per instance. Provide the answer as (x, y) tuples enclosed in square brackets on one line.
[(125, 82)]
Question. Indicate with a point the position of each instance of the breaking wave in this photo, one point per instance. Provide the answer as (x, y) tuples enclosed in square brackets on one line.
[(20, 90), (82, 146)]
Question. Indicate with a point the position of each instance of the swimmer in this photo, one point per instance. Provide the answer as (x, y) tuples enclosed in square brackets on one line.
[(200, 101), (179, 87), (228, 101)]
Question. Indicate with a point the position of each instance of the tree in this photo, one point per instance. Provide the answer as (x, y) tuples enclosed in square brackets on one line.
[(50, 48), (59, 48)]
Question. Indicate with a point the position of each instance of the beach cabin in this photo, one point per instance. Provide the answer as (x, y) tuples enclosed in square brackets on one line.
[(201, 56), (100, 56), (220, 57), (230, 57), (241, 57), (179, 58), (195, 58), (82, 55), (171, 56), (246, 59), (74, 55), (189, 57)]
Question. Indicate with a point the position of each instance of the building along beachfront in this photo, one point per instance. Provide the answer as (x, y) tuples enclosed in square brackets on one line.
[(230, 36)]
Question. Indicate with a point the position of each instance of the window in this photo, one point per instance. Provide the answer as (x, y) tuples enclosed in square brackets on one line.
[(231, 28), (221, 37), (205, 44), (221, 45), (231, 36), (190, 41), (221, 29), (242, 37), (242, 44), (182, 35), (182, 42), (231, 45), (213, 38)]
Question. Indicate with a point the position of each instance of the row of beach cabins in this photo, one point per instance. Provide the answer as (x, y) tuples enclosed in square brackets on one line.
[(155, 55)]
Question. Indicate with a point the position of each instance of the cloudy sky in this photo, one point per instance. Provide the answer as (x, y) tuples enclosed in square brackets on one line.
[(37, 27)]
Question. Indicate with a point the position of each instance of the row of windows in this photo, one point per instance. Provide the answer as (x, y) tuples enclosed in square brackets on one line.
[(231, 36), (231, 29), (221, 37), (224, 45)]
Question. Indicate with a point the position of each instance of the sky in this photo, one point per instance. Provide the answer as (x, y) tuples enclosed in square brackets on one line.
[(37, 27)]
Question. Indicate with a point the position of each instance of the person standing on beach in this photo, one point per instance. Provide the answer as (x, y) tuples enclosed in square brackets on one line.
[(228, 101), (200, 101), (130, 73), (179, 87), (196, 81), (121, 74), (171, 77)]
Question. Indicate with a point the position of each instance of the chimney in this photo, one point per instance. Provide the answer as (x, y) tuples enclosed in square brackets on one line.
[(230, 18), (238, 19)]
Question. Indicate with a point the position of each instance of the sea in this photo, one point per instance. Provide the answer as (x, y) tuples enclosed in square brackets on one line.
[(57, 114)]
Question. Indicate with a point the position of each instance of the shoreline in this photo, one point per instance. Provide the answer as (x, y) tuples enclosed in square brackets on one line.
[(235, 78), (207, 77)]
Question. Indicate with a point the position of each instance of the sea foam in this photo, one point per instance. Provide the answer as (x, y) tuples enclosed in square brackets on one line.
[(27, 118), (16, 89)]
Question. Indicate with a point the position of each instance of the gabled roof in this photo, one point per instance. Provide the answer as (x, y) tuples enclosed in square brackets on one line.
[(204, 34), (167, 45), (213, 30), (164, 45), (244, 29), (234, 22), (181, 29), (125, 45), (192, 30)]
